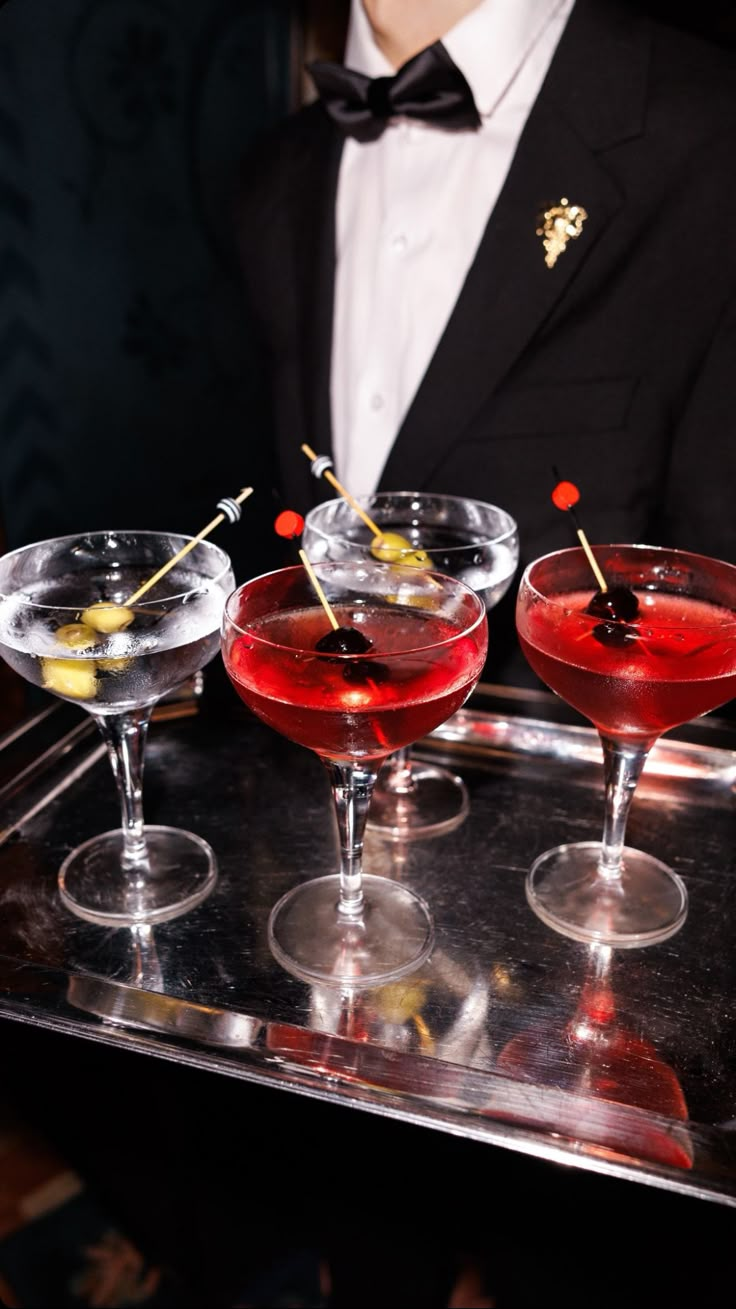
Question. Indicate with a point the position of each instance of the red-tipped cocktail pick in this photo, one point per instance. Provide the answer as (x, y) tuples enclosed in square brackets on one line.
[(289, 524), (565, 496), (339, 640), (318, 591), (617, 604)]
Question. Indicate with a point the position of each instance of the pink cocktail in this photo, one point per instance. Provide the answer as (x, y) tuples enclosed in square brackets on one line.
[(369, 713), (420, 648), (672, 658)]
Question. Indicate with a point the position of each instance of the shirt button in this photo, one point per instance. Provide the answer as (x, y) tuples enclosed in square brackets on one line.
[(399, 243), (377, 402)]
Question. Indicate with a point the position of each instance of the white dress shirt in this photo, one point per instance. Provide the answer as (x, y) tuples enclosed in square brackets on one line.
[(411, 210)]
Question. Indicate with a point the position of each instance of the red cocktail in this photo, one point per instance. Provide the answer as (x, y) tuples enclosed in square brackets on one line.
[(675, 661), (670, 659), (418, 646), (347, 711)]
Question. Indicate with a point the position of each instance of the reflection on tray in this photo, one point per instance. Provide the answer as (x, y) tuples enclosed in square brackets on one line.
[(124, 1005), (595, 1055), (473, 732), (590, 1080)]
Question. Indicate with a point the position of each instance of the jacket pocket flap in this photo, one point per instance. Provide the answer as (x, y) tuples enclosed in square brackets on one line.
[(601, 405)]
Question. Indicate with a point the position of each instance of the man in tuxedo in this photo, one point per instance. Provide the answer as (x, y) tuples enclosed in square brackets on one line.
[(542, 273)]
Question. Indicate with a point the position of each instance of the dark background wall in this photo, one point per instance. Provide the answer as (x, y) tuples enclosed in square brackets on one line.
[(125, 369)]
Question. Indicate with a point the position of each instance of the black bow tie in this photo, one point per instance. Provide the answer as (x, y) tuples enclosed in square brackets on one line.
[(429, 86)]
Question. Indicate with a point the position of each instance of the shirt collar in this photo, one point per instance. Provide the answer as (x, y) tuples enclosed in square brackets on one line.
[(489, 45)]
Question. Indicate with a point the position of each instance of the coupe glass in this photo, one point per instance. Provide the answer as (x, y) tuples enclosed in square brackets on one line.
[(468, 539), (429, 641), (674, 660), (135, 874)]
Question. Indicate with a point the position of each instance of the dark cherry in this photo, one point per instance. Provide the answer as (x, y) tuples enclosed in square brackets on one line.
[(618, 604), (344, 641), (619, 634), (349, 641), (361, 671)]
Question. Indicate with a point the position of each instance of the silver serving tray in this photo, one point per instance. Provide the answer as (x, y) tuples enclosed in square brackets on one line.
[(489, 1040)]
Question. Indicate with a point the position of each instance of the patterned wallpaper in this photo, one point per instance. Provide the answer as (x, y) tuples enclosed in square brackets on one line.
[(126, 379)]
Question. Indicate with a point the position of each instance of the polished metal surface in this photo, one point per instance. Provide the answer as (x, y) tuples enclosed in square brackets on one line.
[(617, 1062)]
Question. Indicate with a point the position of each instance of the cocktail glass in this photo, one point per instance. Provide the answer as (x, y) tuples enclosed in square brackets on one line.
[(137, 874), (429, 641), (468, 539), (673, 661)]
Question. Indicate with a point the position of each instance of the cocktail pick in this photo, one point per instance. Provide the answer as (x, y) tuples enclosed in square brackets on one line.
[(318, 591), (616, 604), (322, 467), (389, 547), (565, 496), (340, 640), (229, 508), (288, 524), (103, 618)]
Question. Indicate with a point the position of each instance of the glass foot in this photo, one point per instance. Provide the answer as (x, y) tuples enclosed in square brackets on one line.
[(179, 872), (392, 937), (647, 904), (436, 802)]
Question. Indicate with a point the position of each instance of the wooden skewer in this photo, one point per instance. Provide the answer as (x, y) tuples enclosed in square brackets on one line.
[(600, 579), (565, 496), (320, 593), (238, 500), (330, 477), (359, 510)]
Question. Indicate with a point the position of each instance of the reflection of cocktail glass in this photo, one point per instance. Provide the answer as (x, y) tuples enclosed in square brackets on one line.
[(117, 668), (595, 1055), (429, 640), (468, 539), (674, 660)]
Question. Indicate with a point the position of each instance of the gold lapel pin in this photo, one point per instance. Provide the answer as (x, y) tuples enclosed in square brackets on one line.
[(558, 225)]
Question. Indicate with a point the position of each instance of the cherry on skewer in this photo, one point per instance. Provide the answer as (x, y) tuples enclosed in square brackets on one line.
[(344, 641), (616, 605), (340, 639)]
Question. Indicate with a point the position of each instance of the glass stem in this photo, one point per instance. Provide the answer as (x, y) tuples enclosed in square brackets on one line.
[(147, 972), (622, 765), (352, 788), (399, 778), (125, 738)]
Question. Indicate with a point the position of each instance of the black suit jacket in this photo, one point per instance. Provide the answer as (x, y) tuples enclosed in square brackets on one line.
[(617, 365)]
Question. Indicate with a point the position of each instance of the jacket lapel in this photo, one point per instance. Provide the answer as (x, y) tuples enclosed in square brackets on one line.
[(313, 246), (510, 291)]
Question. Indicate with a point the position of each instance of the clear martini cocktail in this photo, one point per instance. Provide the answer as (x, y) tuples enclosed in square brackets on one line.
[(418, 645), (65, 626), (660, 651)]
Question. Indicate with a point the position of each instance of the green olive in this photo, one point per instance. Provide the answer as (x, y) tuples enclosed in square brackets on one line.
[(76, 636), (115, 665), (106, 617), (75, 678), (391, 548)]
